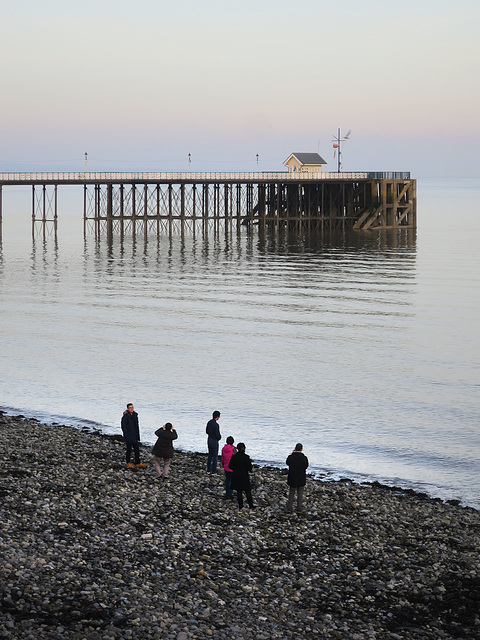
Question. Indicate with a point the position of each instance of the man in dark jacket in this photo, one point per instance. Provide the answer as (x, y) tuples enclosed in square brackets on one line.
[(131, 436), (214, 437), (297, 464)]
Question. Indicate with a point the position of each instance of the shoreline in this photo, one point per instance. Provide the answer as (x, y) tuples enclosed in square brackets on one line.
[(322, 474), (96, 551)]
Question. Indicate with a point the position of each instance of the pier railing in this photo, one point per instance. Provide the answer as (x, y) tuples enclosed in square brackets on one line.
[(91, 177)]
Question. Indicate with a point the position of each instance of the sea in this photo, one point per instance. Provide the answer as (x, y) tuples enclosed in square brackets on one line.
[(363, 346)]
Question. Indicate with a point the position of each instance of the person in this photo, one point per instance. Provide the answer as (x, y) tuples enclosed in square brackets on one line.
[(213, 433), (297, 463), (227, 452), (163, 449), (131, 436), (240, 464)]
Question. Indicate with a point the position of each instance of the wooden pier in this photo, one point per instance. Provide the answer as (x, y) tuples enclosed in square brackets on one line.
[(146, 203)]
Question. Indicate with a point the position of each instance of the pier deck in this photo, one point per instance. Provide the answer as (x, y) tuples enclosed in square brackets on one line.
[(158, 202)]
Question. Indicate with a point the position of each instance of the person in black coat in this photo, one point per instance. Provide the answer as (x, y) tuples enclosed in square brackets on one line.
[(163, 449), (131, 436), (214, 437), (240, 464), (297, 464)]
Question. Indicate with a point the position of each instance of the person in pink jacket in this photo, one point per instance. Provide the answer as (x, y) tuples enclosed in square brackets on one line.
[(227, 453)]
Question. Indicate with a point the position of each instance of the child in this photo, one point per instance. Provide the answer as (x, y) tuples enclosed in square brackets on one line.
[(227, 452)]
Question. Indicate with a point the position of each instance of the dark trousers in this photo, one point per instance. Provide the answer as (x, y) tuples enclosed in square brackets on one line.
[(212, 455), (136, 451), (240, 498), (228, 484)]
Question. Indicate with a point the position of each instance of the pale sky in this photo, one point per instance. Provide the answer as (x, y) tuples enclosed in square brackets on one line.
[(140, 84)]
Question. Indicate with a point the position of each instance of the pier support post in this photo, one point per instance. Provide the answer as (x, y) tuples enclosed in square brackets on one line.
[(412, 199), (44, 210), (239, 206), (121, 214), (250, 205), (84, 210), (170, 211), (55, 214), (194, 208), (205, 210), (145, 212), (33, 211), (158, 211), (226, 194), (278, 208), (182, 210), (216, 204), (97, 211), (261, 207), (109, 212), (134, 212)]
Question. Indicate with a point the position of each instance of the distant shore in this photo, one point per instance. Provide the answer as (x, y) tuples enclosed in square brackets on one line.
[(93, 550)]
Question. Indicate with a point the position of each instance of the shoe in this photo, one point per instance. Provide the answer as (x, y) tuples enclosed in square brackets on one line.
[(130, 465), (141, 465)]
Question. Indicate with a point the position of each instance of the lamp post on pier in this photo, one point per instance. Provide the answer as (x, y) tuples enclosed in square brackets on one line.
[(257, 162), (189, 161), (86, 162)]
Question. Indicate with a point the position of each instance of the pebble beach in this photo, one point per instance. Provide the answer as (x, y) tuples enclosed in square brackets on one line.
[(92, 550)]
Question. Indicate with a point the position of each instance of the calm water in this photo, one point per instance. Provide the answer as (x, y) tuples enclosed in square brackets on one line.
[(365, 347)]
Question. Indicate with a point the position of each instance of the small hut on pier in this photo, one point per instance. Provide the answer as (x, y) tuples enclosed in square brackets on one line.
[(304, 163)]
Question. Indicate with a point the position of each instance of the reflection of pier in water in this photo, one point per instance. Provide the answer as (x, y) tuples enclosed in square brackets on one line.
[(339, 249), (167, 203)]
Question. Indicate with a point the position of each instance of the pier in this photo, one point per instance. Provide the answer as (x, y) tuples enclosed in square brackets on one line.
[(145, 203)]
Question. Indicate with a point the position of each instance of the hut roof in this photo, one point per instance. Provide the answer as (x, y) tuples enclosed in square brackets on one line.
[(307, 158)]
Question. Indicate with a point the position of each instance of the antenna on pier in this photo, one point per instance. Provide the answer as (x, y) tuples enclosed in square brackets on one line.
[(337, 146)]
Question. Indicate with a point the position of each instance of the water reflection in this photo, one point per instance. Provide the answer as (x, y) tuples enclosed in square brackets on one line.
[(45, 256), (188, 249)]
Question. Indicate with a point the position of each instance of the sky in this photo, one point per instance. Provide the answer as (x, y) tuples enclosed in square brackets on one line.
[(139, 85)]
